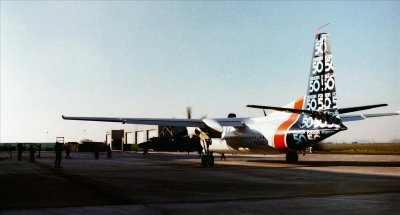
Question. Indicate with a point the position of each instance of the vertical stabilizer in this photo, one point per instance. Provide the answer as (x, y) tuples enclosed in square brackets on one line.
[(320, 97), (321, 93)]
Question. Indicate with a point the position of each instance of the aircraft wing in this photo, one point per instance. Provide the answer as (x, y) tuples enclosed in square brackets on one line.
[(200, 123), (356, 117)]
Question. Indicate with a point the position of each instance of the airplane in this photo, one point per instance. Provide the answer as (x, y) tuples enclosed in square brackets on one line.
[(288, 130)]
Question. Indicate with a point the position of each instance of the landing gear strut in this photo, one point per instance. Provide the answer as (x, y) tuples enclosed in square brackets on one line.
[(208, 158), (292, 157)]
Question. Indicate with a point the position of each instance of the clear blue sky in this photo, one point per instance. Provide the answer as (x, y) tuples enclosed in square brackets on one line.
[(152, 59)]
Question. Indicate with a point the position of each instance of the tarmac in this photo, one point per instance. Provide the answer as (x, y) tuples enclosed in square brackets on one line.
[(176, 183)]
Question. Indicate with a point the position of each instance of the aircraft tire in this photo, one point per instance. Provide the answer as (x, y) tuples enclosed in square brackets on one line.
[(207, 160), (292, 157), (203, 160)]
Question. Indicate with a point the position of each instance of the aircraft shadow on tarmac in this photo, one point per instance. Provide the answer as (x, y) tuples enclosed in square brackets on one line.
[(335, 163)]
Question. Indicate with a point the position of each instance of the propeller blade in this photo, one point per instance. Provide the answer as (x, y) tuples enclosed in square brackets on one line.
[(189, 112)]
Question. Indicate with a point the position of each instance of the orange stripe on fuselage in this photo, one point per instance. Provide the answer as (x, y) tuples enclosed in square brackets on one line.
[(280, 134)]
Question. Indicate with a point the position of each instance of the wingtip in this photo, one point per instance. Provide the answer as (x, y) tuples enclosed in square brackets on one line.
[(252, 106), (381, 105)]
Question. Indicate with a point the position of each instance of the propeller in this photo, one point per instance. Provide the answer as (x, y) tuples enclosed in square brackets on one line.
[(189, 112)]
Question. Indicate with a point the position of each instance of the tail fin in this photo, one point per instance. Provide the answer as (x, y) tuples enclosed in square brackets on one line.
[(321, 93), (316, 116), (323, 118)]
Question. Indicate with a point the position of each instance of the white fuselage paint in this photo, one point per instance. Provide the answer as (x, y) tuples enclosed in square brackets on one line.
[(257, 137)]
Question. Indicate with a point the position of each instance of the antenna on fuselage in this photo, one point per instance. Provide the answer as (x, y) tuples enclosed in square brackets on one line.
[(317, 30)]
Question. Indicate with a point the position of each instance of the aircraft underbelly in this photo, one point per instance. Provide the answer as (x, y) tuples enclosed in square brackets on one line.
[(241, 146)]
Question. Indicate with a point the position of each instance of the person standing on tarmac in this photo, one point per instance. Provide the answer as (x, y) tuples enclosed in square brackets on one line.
[(32, 153), (19, 149), (108, 151), (10, 151), (96, 151), (58, 150), (39, 149), (67, 151)]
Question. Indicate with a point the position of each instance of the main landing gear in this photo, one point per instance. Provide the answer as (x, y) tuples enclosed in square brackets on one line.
[(208, 158), (292, 157)]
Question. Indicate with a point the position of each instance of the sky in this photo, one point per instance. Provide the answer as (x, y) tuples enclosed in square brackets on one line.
[(155, 58)]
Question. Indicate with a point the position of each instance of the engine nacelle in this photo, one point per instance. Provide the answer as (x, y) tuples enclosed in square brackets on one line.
[(231, 115)]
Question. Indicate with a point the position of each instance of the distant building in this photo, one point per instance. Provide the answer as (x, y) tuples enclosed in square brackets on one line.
[(128, 138)]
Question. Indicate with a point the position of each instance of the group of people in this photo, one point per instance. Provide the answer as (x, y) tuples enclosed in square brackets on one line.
[(31, 149), (58, 148)]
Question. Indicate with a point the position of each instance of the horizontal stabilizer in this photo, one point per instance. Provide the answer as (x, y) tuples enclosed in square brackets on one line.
[(349, 118), (328, 116), (354, 109), (288, 110)]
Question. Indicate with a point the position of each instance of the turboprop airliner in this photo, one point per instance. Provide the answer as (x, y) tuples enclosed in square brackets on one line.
[(289, 129)]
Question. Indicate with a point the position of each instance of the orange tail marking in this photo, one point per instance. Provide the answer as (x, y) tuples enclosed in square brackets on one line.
[(280, 134)]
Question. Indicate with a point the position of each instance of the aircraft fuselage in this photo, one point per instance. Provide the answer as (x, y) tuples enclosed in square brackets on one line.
[(262, 136)]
